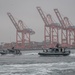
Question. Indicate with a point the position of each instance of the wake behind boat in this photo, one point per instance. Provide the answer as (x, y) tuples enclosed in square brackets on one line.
[(55, 52)]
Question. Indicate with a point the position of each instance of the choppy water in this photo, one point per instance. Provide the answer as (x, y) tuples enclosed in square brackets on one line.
[(30, 63)]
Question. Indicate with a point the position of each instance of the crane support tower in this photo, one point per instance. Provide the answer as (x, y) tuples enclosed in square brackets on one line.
[(22, 33)]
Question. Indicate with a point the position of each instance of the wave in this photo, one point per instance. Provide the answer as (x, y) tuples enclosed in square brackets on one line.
[(38, 69), (59, 64)]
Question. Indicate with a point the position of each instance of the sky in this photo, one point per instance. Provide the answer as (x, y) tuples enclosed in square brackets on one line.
[(26, 11)]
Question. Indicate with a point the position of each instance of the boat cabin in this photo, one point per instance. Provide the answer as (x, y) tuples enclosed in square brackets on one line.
[(55, 50)]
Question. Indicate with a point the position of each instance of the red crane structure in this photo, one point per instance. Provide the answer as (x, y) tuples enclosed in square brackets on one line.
[(50, 30), (22, 33), (71, 32), (64, 30), (54, 30)]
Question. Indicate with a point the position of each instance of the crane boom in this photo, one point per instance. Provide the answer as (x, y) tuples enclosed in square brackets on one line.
[(50, 18), (13, 21), (67, 21), (42, 15), (59, 17), (21, 25), (68, 24)]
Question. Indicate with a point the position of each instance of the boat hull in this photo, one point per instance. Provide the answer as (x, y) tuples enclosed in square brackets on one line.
[(54, 54)]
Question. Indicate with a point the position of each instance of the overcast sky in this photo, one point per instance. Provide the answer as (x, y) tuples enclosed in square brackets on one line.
[(27, 12)]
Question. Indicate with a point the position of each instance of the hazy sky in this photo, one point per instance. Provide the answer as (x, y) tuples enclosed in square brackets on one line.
[(27, 12)]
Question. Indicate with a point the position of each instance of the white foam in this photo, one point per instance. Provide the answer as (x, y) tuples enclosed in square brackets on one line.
[(73, 54), (31, 54)]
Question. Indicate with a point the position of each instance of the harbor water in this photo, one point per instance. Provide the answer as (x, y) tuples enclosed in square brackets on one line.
[(30, 63)]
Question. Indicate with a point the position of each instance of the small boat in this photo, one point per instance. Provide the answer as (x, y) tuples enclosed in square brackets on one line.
[(11, 51), (3, 52), (55, 52), (14, 51)]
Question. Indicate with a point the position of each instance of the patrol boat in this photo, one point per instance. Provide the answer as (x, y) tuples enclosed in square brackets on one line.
[(55, 52)]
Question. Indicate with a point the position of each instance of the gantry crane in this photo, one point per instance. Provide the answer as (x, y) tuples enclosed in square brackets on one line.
[(50, 29), (54, 29), (71, 32), (64, 31), (47, 35), (22, 33)]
